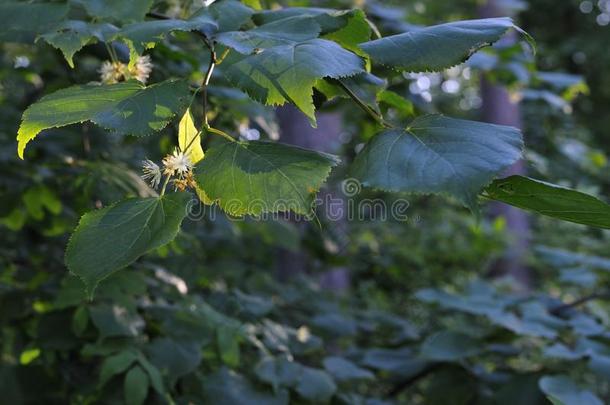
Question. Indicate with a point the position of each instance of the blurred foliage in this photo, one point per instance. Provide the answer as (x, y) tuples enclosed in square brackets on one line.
[(205, 319)]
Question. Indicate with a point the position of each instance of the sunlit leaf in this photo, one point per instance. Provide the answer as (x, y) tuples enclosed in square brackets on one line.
[(127, 108)]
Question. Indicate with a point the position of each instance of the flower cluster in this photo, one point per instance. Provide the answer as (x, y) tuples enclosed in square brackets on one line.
[(114, 72), (176, 165)]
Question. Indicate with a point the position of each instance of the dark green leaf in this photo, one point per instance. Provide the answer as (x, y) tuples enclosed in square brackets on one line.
[(551, 200), (315, 385), (116, 364), (72, 36), (439, 155), (114, 320), (230, 15), (176, 358), (345, 370), (127, 108), (437, 47), (119, 10), (561, 390), (283, 32), (143, 35), (22, 21), (135, 386), (449, 346), (228, 388), (258, 177), (112, 238)]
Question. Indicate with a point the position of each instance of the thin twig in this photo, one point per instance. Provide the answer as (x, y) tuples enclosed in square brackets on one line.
[(558, 310), (206, 82), (413, 379), (363, 105)]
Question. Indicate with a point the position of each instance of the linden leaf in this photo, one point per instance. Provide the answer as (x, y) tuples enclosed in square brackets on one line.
[(112, 238), (127, 108), (258, 177), (439, 155)]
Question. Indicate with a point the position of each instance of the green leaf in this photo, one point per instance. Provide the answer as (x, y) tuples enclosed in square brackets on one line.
[(551, 200), (283, 32), (279, 372), (114, 320), (80, 319), (227, 340), (119, 10), (287, 73), (230, 15), (449, 346), (143, 35), (437, 47), (136, 386), (116, 364), (329, 20), (356, 31), (71, 36), (439, 155), (258, 177), (174, 357), (112, 238), (127, 108), (315, 385), (561, 390), (225, 387), (22, 21), (345, 370)]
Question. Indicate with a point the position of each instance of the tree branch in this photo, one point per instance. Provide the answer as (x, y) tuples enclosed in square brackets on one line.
[(558, 310)]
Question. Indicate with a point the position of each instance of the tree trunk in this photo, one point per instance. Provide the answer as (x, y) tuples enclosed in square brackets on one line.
[(295, 129), (498, 108)]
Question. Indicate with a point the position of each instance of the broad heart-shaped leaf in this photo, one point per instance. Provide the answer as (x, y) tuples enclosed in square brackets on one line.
[(550, 200), (189, 139), (119, 10), (22, 21), (438, 155), (112, 238), (287, 73), (283, 32), (127, 108), (72, 36), (561, 390), (437, 47), (143, 35), (259, 177)]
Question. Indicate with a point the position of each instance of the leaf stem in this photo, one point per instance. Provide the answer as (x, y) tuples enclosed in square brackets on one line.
[(378, 118), (221, 133), (165, 183)]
